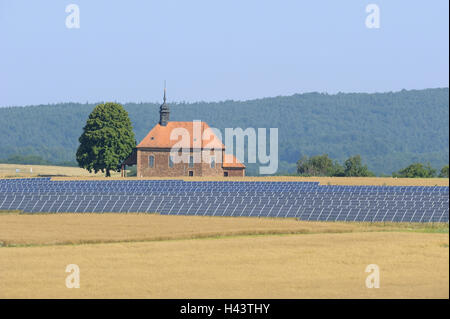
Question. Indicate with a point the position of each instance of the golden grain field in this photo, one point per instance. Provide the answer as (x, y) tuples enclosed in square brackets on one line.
[(71, 228), (9, 171), (153, 256), (75, 173), (378, 181)]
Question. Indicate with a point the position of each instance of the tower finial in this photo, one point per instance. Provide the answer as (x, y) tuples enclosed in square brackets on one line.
[(164, 91), (164, 110)]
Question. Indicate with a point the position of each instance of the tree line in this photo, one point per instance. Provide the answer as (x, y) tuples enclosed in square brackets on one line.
[(34, 160), (323, 165)]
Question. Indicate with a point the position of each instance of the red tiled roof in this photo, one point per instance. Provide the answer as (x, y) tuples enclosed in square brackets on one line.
[(160, 136), (231, 161)]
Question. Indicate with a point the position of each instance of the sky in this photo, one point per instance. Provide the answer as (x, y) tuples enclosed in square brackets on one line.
[(217, 50)]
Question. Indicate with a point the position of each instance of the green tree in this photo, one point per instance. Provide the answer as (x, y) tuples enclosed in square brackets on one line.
[(353, 167), (107, 139), (338, 169), (319, 165), (444, 172), (416, 170)]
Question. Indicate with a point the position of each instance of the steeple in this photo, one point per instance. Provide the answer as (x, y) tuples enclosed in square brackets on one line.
[(164, 110)]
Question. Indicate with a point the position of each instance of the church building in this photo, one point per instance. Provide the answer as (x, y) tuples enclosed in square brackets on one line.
[(159, 153)]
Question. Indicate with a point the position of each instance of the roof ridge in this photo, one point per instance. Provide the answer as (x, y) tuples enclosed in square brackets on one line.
[(159, 136)]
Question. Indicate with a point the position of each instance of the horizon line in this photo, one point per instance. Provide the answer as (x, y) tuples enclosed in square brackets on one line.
[(227, 100)]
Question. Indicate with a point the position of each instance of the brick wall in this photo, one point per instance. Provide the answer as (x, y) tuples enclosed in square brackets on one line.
[(235, 172), (161, 166)]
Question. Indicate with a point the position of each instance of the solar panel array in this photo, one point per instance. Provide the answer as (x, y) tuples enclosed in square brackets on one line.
[(302, 200)]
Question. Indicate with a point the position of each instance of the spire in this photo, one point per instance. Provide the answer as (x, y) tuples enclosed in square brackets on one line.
[(164, 91), (164, 110)]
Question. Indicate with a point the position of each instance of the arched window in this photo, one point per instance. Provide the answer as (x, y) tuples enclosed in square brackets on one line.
[(151, 161), (213, 162), (170, 161)]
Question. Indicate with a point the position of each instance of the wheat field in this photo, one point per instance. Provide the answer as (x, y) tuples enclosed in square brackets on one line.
[(153, 256), (9, 171), (75, 173), (376, 181)]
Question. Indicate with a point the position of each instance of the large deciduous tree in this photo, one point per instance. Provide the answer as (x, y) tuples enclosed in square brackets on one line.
[(353, 167), (319, 165), (107, 139), (416, 170), (444, 172)]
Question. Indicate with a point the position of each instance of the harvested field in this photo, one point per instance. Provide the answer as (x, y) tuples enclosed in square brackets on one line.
[(9, 171), (153, 256), (71, 228), (377, 181), (75, 173), (295, 266)]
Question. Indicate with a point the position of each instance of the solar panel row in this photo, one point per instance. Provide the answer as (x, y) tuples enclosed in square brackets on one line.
[(303, 200)]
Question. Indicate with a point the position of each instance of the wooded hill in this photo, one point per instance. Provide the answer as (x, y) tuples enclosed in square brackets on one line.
[(389, 130)]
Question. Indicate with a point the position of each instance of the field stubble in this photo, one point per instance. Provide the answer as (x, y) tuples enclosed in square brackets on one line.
[(153, 256), (75, 173)]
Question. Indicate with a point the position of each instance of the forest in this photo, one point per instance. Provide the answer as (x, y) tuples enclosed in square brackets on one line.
[(388, 130)]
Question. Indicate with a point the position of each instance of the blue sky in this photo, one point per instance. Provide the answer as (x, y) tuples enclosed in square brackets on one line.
[(217, 50)]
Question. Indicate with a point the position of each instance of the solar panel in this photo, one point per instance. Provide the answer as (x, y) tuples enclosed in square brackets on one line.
[(303, 200)]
